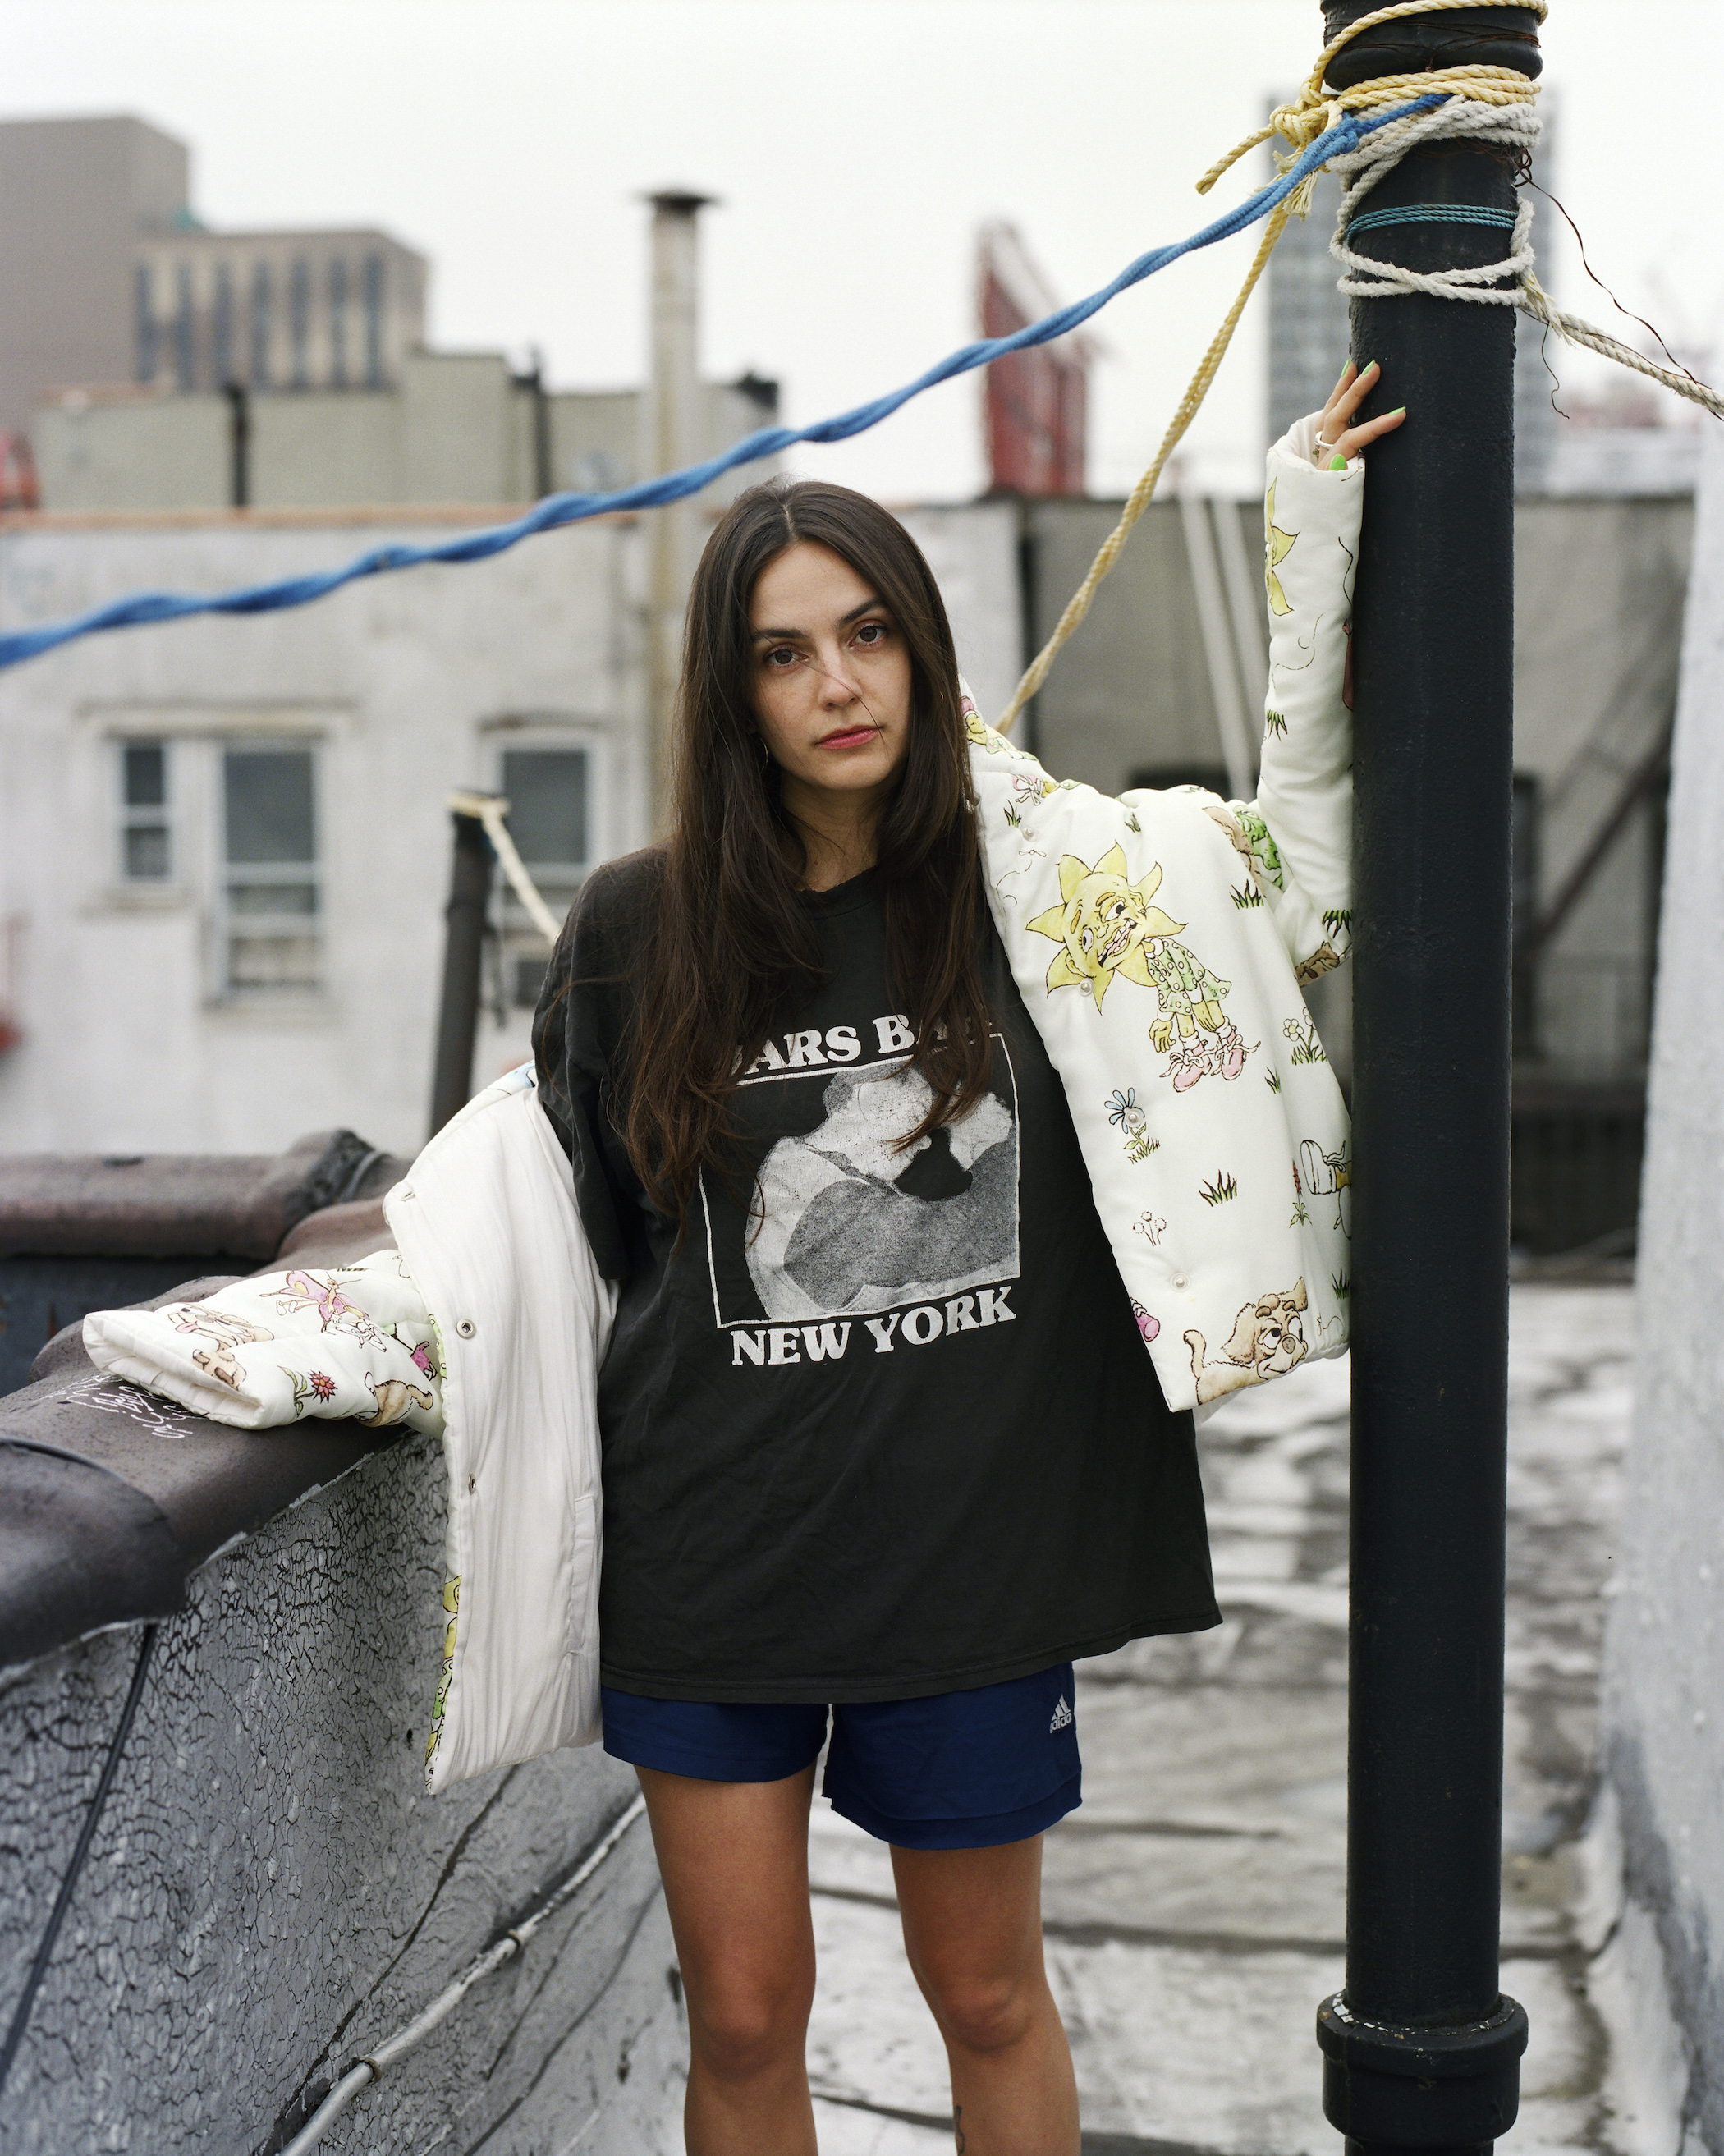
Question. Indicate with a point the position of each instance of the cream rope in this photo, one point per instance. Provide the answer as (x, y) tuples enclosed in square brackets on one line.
[(1514, 127), (1492, 103), (490, 809), (1114, 545)]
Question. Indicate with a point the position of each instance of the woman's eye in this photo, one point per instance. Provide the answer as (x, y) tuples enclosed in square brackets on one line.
[(781, 658), (871, 633)]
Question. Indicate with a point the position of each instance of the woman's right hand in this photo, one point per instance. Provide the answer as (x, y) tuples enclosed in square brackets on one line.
[(1337, 437)]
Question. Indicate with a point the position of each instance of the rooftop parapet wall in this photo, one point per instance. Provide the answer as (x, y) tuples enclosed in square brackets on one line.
[(110, 1498), (270, 1893), (1665, 1665)]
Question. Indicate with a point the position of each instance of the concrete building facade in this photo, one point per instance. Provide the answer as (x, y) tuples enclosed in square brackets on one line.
[(107, 277), (76, 198), (455, 426), (215, 994), (314, 309), (224, 845)]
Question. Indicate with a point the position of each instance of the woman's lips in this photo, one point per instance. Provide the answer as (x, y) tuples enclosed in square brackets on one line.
[(851, 737)]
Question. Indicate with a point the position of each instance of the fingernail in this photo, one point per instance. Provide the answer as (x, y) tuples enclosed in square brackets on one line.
[(1399, 412), (1368, 367), (1337, 463)]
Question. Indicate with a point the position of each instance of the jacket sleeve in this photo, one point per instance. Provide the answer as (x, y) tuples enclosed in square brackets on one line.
[(1297, 834)]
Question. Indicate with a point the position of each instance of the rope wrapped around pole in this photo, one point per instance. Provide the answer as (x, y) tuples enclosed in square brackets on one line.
[(1475, 102)]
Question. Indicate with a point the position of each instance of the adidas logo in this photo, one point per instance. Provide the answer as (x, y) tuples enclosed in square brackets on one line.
[(1062, 1716)]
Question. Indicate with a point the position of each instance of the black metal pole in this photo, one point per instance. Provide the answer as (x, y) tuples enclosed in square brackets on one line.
[(1421, 2050), (463, 947)]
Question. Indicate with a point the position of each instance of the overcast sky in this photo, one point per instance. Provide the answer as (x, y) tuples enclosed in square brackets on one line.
[(856, 146)]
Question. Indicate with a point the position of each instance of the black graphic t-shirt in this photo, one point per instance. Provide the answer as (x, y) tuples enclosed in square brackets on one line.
[(900, 1436)]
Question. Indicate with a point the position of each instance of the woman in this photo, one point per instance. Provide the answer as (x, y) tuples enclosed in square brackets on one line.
[(878, 1433)]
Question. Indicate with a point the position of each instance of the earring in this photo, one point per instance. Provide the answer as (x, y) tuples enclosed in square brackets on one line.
[(766, 754)]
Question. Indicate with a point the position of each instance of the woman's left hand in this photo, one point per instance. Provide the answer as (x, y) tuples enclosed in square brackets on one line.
[(1336, 436)]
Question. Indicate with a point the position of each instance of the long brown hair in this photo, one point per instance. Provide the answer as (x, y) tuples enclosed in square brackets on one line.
[(732, 941)]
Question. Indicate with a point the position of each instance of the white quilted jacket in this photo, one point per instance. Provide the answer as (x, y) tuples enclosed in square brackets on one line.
[(1158, 941)]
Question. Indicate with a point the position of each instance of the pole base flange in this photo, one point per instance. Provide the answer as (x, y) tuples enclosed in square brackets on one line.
[(1457, 2088)]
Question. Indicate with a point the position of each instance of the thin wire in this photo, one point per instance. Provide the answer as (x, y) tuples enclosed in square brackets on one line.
[(1586, 265), (38, 1966)]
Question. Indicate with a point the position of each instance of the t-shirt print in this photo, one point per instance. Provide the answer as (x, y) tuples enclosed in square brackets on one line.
[(845, 1225)]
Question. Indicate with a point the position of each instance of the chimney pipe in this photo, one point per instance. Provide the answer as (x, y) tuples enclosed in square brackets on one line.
[(672, 436)]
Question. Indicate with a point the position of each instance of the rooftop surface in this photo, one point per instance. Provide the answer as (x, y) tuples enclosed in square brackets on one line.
[(1195, 1905)]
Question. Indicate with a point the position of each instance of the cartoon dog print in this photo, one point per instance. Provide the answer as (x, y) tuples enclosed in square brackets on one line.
[(395, 1399), (1106, 927), (227, 1331), (1268, 1340)]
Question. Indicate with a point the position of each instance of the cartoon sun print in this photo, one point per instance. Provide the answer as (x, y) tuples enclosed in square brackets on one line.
[(1277, 545), (1104, 922), (1106, 927)]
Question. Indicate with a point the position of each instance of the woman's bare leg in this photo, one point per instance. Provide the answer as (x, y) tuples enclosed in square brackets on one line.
[(734, 1858), (973, 1928)]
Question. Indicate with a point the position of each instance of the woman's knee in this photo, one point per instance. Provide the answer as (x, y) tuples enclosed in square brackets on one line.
[(981, 2010), (745, 2019)]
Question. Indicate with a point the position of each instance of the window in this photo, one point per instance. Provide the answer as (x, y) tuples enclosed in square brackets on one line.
[(260, 326), (272, 902), (299, 320), (146, 831), (550, 820), (144, 301), (338, 323), (185, 332), (373, 321), (221, 334)]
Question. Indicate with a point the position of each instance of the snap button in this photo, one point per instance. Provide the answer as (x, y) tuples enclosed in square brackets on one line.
[(466, 1329), (472, 1484), (1179, 1280)]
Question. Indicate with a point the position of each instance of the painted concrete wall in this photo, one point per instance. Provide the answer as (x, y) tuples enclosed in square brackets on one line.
[(271, 1892), (416, 684), (1664, 1697), (454, 427), (406, 686)]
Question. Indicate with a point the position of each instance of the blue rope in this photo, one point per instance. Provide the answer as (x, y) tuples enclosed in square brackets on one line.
[(560, 509), (1435, 213)]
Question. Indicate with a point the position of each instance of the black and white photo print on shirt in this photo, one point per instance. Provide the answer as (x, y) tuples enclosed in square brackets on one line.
[(845, 1224)]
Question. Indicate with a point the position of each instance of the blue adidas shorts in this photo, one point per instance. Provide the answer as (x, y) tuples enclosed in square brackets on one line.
[(960, 1770)]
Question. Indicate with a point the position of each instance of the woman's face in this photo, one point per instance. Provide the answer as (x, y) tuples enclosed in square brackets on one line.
[(831, 674)]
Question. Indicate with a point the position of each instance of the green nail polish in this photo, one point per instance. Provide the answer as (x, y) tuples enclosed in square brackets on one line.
[(1397, 411), (1337, 463)]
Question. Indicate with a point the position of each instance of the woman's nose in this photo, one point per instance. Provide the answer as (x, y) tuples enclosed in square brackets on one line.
[(836, 686)]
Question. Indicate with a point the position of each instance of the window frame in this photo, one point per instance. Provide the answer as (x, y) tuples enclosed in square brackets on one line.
[(227, 925), (129, 816), (517, 937)]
